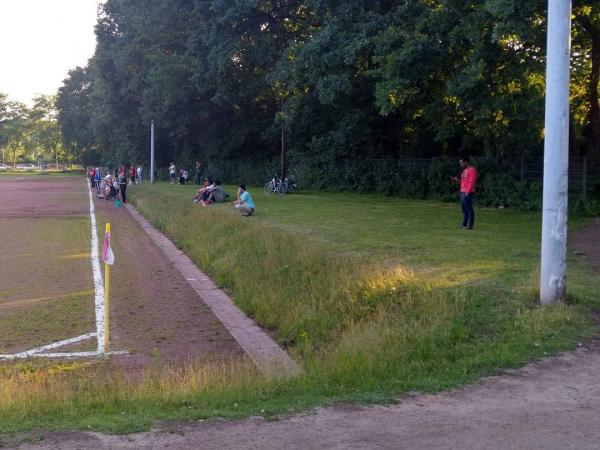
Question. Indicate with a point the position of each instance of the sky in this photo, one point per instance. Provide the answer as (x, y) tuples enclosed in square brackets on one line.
[(40, 41)]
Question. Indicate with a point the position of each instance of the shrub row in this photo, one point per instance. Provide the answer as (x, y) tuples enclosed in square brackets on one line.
[(499, 184)]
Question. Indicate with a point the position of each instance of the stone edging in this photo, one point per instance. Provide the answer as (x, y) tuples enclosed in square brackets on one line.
[(269, 357)]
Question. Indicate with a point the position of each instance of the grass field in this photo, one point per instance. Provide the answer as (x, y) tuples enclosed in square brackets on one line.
[(374, 296)]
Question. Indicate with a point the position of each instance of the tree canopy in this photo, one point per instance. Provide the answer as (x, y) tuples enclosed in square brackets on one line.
[(352, 80)]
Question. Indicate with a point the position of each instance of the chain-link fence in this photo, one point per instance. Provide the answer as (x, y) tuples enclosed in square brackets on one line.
[(502, 181)]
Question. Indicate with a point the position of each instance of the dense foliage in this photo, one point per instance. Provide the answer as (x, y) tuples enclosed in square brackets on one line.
[(352, 80)]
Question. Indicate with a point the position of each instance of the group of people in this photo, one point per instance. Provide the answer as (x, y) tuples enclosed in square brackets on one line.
[(111, 186), (174, 178), (212, 192), (184, 175)]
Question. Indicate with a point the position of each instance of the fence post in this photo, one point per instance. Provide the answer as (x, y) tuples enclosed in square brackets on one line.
[(584, 178)]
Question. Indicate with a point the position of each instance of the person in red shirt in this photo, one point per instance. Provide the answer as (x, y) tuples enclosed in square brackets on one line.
[(91, 173), (468, 179)]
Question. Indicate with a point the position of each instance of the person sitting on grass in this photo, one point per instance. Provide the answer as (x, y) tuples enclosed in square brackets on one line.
[(244, 203), (200, 192), (183, 176), (216, 194)]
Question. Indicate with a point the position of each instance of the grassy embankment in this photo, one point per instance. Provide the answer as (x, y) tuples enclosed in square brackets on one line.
[(373, 296)]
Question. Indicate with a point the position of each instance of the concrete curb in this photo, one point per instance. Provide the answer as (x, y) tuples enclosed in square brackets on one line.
[(269, 357)]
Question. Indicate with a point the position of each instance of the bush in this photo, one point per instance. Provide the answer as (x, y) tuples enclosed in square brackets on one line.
[(499, 183)]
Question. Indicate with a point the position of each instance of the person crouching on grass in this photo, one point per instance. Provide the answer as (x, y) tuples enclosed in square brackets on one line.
[(244, 202)]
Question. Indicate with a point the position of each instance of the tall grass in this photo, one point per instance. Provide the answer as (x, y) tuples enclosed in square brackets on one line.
[(358, 318), (365, 323)]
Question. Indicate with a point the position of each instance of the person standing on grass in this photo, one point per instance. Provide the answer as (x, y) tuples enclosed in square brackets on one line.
[(468, 179), (97, 178), (123, 183), (140, 174), (244, 203), (172, 172), (199, 169), (132, 174)]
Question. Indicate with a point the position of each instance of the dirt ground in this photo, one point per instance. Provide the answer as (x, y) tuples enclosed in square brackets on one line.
[(586, 243), (155, 314), (551, 404)]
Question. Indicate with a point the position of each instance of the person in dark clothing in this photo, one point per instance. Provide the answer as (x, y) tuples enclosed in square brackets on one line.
[(123, 183), (199, 170)]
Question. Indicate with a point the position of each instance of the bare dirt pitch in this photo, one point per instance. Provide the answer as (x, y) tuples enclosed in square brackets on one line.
[(155, 314), (586, 243)]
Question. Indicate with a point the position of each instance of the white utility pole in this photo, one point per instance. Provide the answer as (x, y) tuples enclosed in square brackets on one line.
[(152, 151), (556, 154)]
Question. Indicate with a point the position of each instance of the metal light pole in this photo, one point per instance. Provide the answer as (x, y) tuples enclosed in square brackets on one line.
[(282, 141), (556, 154), (152, 151)]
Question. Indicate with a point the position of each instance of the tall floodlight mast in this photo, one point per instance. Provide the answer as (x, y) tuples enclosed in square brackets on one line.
[(152, 151), (556, 154)]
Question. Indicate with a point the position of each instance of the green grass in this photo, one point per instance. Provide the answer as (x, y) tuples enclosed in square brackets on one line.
[(373, 296)]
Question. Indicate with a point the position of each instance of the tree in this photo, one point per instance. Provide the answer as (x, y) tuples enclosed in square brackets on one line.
[(74, 116), (15, 129), (586, 48)]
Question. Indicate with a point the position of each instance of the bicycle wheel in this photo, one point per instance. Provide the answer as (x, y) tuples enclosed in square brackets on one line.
[(282, 188), (269, 188)]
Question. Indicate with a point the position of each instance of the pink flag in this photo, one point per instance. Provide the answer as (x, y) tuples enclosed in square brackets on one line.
[(108, 257)]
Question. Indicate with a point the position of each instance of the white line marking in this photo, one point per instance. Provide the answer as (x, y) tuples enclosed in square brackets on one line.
[(35, 351), (99, 307), (65, 355), (98, 281), (57, 344)]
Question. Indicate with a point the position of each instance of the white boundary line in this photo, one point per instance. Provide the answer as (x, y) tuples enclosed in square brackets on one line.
[(99, 310), (35, 351), (98, 281)]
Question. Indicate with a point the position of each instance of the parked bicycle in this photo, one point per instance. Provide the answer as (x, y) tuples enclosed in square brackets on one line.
[(291, 186), (277, 185)]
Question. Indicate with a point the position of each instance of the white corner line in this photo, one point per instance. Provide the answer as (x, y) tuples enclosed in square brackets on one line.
[(35, 351), (65, 355), (58, 344), (97, 273)]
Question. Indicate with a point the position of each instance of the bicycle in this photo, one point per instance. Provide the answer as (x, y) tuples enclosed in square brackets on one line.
[(277, 185), (291, 186)]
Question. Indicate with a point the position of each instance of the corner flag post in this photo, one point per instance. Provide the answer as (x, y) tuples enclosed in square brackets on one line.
[(108, 258)]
